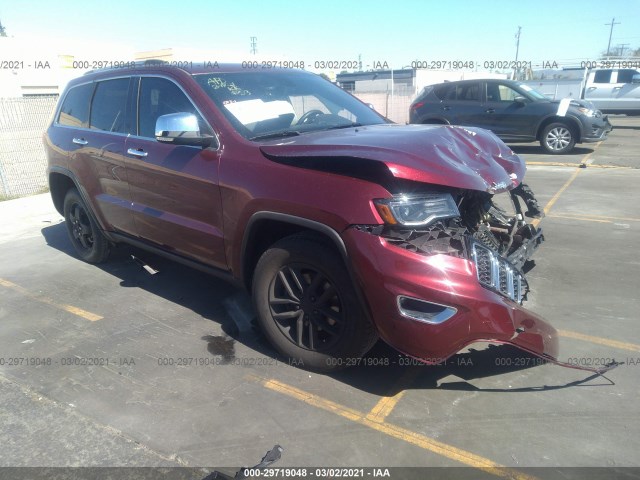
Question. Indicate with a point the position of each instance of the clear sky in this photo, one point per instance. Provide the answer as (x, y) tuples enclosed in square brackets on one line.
[(396, 32)]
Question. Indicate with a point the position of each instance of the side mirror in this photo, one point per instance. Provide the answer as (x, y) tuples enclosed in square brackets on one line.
[(520, 100), (636, 78), (180, 129)]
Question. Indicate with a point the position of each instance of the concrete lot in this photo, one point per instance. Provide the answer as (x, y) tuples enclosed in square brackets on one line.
[(92, 370)]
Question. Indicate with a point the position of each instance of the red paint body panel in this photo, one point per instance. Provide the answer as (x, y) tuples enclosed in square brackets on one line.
[(386, 271), (468, 158)]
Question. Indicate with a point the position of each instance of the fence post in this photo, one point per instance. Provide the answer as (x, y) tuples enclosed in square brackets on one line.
[(3, 181)]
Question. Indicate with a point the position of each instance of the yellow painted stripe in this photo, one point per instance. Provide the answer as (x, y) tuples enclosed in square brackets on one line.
[(584, 219), (48, 301), (555, 198), (601, 217), (562, 164), (385, 405), (600, 341), (414, 438)]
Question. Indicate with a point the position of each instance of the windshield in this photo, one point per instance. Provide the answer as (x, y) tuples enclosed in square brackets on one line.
[(532, 92), (263, 105)]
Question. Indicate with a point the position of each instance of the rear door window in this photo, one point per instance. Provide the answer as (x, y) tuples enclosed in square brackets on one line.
[(108, 109), (602, 76), (75, 107), (468, 92)]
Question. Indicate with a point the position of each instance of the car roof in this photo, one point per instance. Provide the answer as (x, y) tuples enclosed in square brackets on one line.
[(473, 80)]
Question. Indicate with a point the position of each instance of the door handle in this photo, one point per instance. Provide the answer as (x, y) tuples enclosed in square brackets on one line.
[(490, 110), (445, 109), (79, 141), (616, 88), (137, 153), (591, 89)]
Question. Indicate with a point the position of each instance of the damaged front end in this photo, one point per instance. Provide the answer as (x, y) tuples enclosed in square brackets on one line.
[(456, 276), (500, 244)]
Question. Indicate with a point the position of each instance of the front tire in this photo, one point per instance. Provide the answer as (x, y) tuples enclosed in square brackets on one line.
[(557, 138), (307, 305), (87, 239)]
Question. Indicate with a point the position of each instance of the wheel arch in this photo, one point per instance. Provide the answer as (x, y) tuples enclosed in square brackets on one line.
[(59, 184), (61, 181), (571, 122), (265, 228)]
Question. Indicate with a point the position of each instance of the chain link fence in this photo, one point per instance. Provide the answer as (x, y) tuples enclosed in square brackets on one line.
[(23, 164)]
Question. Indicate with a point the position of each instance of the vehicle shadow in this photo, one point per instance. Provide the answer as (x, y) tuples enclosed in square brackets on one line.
[(538, 150), (220, 302)]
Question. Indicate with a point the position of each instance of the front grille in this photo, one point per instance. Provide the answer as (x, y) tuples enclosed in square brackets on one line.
[(498, 274)]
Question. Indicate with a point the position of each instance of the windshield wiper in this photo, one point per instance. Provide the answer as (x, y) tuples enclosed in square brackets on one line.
[(282, 133), (348, 125)]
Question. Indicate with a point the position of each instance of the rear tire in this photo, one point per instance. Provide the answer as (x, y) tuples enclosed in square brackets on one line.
[(557, 138), (307, 305), (86, 237)]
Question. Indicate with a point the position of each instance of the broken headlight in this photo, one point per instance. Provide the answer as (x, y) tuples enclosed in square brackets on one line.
[(417, 210)]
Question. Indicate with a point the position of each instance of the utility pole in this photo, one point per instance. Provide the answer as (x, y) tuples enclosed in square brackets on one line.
[(254, 45), (621, 47), (515, 68), (613, 22)]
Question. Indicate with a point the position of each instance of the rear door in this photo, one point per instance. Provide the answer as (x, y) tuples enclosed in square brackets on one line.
[(463, 105), (174, 188), (96, 147)]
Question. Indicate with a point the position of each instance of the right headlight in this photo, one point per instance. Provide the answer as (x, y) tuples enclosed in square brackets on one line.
[(587, 111), (417, 210)]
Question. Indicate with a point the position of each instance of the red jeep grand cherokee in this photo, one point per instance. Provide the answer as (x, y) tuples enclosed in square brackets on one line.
[(343, 226)]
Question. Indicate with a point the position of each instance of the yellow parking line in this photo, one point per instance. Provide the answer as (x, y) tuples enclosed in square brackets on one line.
[(600, 340), (585, 219), (555, 198), (562, 164), (599, 217), (92, 317), (385, 405), (417, 439)]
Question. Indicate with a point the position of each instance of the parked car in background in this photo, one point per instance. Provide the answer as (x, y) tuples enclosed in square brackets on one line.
[(610, 90), (344, 228), (513, 111)]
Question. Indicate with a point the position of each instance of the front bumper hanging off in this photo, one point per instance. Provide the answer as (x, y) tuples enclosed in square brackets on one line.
[(443, 291)]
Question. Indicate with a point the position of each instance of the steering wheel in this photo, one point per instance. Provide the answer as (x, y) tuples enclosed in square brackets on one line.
[(309, 117)]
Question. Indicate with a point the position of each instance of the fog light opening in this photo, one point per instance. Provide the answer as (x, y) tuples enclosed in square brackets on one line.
[(422, 311)]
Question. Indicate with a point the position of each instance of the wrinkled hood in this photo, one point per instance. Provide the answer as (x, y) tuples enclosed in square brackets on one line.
[(460, 157)]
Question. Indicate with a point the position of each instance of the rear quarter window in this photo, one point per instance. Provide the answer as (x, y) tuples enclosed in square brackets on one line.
[(75, 106)]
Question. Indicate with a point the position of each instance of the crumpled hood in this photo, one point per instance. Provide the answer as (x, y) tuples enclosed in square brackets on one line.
[(461, 157)]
